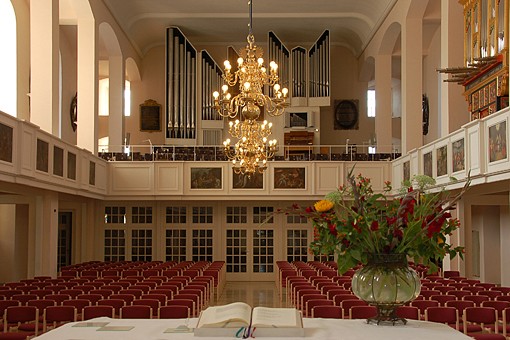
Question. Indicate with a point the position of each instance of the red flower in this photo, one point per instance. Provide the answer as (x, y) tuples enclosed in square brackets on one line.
[(374, 226), (309, 210), (332, 229)]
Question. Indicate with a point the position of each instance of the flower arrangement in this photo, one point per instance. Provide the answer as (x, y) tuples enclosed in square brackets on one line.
[(354, 222)]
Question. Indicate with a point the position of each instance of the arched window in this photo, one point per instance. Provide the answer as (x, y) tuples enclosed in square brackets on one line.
[(104, 97), (8, 83)]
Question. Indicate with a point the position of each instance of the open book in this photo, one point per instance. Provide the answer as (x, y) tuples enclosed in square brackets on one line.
[(240, 314)]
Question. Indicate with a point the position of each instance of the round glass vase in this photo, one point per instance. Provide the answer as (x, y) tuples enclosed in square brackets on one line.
[(386, 282)]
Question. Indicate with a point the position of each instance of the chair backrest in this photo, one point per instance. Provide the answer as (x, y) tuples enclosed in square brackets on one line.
[(78, 304), (41, 305), (22, 314), (327, 312), (58, 298), (499, 306), (477, 299), (347, 304), (449, 315), (443, 299), (24, 298), (136, 292), (506, 321), (128, 298), (341, 297), (174, 312), (93, 298), (310, 304), (423, 304), (136, 312), (153, 303), (183, 302), (117, 304), (362, 312), (91, 312), (408, 312), (57, 315), (485, 316)]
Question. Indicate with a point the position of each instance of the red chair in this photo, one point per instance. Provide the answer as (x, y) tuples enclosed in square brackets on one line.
[(17, 319), (310, 304), (183, 302), (154, 304), (136, 292), (127, 298), (362, 312), (485, 285), (136, 312), (447, 315), (492, 294), (477, 299), (308, 297), (348, 304), (341, 297), (58, 298), (24, 298), (91, 312), (424, 304), (445, 289), (460, 305), (55, 316), (427, 293), (117, 304), (506, 321), (73, 293), (503, 298), (499, 306), (443, 299), (459, 293), (93, 298), (504, 290), (327, 312), (474, 289), (482, 316), (194, 298), (408, 312), (78, 304), (105, 293), (174, 312)]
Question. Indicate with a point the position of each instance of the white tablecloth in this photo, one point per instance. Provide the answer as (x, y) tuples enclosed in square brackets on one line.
[(314, 328)]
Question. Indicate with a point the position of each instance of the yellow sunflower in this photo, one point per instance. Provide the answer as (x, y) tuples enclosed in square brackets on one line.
[(323, 205)]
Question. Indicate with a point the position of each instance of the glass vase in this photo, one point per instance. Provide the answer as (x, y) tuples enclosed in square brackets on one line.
[(386, 282)]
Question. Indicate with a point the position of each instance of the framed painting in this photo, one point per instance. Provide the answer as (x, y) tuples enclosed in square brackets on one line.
[(497, 142), (407, 171), (492, 92), (458, 155), (206, 178), (474, 97), (289, 178), (150, 116), (6, 137), (243, 181), (41, 163), (442, 160), (427, 164)]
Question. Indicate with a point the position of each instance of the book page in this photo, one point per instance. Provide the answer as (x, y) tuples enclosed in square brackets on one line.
[(275, 317), (232, 315)]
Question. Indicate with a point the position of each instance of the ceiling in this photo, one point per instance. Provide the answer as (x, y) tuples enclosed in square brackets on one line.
[(352, 23)]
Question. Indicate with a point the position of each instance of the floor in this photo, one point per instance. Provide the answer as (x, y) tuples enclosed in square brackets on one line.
[(253, 293)]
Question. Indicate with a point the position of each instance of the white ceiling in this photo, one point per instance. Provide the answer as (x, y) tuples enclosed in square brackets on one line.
[(208, 22)]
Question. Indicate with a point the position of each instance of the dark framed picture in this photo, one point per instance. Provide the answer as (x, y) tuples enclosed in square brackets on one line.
[(42, 154), (243, 181), (497, 142), (442, 160), (206, 178), (150, 116), (458, 155), (289, 178), (6, 137), (427, 164), (474, 97), (346, 114), (492, 92)]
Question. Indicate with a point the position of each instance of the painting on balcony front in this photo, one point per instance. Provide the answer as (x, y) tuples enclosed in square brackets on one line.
[(289, 178), (427, 164), (5, 143), (243, 181), (206, 178), (442, 161), (407, 171), (497, 142), (458, 155)]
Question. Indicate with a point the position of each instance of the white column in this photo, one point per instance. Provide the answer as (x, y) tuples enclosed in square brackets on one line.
[(383, 96), (412, 78), (88, 123), (116, 103), (46, 229), (44, 65)]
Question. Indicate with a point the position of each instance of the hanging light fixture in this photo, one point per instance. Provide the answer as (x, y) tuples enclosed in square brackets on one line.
[(252, 151)]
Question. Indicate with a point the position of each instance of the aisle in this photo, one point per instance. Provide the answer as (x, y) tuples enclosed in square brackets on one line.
[(253, 293)]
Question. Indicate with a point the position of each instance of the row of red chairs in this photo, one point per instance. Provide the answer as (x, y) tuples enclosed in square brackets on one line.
[(21, 322)]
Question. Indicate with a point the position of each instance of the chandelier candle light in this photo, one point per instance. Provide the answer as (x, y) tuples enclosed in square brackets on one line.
[(253, 149)]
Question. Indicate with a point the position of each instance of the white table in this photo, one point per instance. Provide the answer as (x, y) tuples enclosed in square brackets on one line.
[(314, 328)]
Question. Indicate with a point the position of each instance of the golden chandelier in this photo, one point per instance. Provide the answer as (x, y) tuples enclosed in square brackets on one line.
[(253, 149)]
